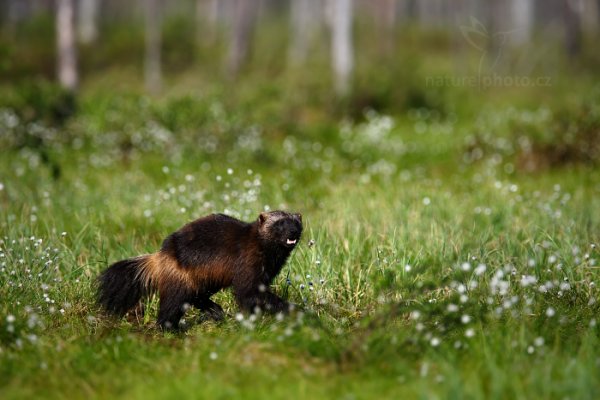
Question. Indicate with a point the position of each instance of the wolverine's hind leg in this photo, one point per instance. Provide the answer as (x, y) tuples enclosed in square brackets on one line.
[(136, 314), (174, 300), (211, 309)]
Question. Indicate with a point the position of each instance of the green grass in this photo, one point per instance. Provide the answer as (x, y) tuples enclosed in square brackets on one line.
[(453, 256), (371, 326)]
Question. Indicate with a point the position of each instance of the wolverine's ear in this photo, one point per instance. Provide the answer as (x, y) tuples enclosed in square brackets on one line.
[(262, 218), (299, 216)]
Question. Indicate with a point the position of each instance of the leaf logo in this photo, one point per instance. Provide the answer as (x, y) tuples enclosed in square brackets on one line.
[(478, 36)]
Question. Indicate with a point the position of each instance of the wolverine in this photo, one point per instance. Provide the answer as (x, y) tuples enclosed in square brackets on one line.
[(203, 257)]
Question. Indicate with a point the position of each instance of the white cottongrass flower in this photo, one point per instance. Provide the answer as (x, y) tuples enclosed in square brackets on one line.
[(415, 315), (527, 280), (452, 307), (480, 270)]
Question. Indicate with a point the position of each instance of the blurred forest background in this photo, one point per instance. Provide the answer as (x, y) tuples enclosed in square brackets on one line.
[(356, 46), (293, 67), (444, 155)]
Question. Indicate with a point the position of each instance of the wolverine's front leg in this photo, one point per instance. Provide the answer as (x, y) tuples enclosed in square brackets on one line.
[(250, 297), (274, 303)]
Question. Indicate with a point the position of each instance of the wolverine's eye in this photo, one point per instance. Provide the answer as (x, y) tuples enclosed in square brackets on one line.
[(278, 228)]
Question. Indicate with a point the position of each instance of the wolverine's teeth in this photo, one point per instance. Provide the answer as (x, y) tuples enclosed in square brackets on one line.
[(290, 241)]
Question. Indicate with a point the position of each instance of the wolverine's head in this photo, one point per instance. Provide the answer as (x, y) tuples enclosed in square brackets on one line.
[(280, 227)]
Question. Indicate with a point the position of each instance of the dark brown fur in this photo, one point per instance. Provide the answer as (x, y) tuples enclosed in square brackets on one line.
[(203, 257)]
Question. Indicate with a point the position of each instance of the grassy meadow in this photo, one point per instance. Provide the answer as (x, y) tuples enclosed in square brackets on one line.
[(450, 246)]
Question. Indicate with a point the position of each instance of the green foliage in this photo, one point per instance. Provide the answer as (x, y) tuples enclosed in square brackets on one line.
[(178, 50), (29, 47), (540, 139), (40, 101), (433, 264), (435, 276), (120, 45)]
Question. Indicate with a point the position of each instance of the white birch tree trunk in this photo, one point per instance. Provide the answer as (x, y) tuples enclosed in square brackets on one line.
[(87, 21), (303, 24), (244, 18), (522, 21), (208, 17), (67, 53), (591, 15), (341, 44), (152, 67)]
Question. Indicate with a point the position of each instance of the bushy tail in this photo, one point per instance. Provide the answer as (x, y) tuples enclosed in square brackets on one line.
[(122, 285)]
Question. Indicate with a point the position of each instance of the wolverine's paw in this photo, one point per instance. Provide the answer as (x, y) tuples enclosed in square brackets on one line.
[(214, 314), (290, 308), (136, 315), (280, 307)]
